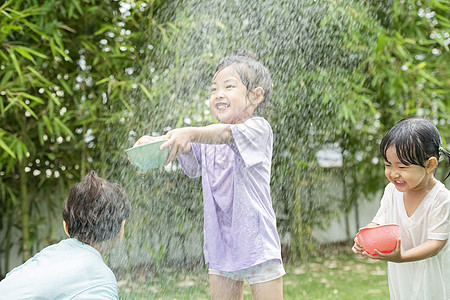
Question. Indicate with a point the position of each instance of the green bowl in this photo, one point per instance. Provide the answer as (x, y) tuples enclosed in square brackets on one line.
[(147, 157)]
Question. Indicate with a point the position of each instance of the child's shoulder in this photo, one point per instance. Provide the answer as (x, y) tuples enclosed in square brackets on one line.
[(442, 192), (257, 122)]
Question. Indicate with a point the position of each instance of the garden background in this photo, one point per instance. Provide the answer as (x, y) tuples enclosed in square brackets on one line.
[(81, 81)]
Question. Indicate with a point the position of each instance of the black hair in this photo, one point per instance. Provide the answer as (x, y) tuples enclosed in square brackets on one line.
[(416, 140), (252, 73), (94, 209)]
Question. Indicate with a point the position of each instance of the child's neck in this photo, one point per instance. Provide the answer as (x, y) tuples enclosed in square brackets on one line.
[(413, 198)]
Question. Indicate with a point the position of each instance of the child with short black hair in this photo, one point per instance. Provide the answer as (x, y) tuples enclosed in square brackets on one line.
[(419, 267), (94, 216)]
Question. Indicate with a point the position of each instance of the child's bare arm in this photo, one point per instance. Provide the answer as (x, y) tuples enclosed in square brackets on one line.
[(428, 249), (179, 139)]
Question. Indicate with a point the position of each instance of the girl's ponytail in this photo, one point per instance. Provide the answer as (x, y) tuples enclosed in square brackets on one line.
[(447, 154)]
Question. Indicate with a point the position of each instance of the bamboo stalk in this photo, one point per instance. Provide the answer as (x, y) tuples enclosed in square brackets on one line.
[(26, 253)]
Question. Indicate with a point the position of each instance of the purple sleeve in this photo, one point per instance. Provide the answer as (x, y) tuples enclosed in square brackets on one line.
[(191, 163), (252, 141)]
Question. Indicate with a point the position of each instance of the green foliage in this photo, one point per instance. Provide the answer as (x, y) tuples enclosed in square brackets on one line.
[(406, 74), (80, 81), (65, 67)]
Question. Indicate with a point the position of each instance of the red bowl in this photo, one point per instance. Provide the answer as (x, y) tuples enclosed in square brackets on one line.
[(383, 238)]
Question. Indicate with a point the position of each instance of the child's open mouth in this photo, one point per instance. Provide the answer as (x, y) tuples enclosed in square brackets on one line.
[(222, 106), (399, 183)]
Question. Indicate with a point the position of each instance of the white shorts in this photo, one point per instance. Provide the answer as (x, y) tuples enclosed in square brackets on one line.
[(266, 271)]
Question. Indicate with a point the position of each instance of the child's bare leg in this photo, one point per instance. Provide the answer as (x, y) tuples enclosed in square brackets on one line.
[(223, 288), (270, 290)]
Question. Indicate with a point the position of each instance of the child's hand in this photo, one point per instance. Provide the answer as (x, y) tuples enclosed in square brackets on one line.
[(178, 141), (394, 256), (357, 248), (146, 139)]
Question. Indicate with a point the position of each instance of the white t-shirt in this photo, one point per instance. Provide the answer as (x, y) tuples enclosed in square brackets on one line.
[(429, 278), (67, 270)]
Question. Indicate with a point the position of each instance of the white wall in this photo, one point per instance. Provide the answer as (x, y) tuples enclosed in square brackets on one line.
[(336, 232)]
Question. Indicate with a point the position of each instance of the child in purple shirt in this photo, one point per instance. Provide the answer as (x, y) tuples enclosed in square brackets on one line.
[(234, 159)]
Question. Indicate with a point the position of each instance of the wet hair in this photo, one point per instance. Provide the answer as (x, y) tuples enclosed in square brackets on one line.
[(94, 209), (252, 73), (415, 140)]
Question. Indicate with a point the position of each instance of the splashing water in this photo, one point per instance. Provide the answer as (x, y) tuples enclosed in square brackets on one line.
[(306, 46)]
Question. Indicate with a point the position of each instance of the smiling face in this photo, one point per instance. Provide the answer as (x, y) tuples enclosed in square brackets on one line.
[(406, 178), (229, 101)]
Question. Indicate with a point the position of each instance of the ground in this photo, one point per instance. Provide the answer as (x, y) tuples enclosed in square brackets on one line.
[(335, 273)]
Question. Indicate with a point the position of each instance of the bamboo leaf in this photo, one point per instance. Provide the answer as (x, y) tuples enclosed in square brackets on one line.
[(6, 14), (48, 124), (179, 122), (6, 148), (2, 107), (19, 151), (3, 55), (16, 64), (421, 65), (32, 51), (4, 5), (66, 86), (84, 121), (41, 133), (67, 28), (125, 103), (58, 40), (103, 29), (24, 105), (38, 75), (146, 92), (64, 127), (31, 97), (102, 81), (77, 5), (53, 48), (24, 53), (171, 25), (54, 99), (35, 29), (163, 33), (59, 49), (6, 78)]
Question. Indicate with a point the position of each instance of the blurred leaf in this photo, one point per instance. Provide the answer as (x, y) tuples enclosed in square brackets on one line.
[(6, 148), (16, 63)]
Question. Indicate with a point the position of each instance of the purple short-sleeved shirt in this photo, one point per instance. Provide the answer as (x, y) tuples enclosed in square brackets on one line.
[(239, 221)]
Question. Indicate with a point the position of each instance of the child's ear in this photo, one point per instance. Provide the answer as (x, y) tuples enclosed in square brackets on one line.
[(65, 228), (257, 95), (431, 164)]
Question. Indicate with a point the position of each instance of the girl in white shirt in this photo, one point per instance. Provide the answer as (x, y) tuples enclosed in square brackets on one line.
[(419, 267)]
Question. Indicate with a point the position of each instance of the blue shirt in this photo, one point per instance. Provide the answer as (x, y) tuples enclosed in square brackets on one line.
[(67, 270)]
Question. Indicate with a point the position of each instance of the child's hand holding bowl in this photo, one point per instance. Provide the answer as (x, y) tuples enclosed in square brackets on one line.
[(377, 241), (147, 139), (146, 153)]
